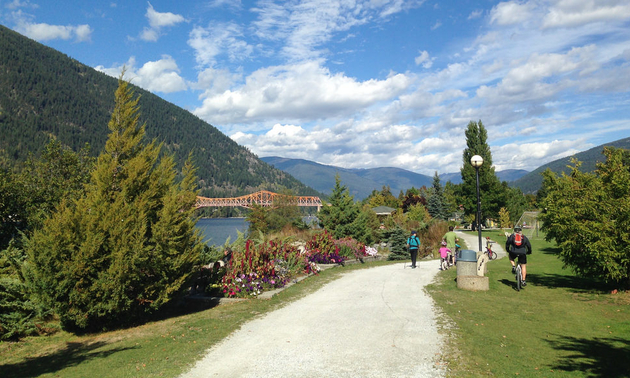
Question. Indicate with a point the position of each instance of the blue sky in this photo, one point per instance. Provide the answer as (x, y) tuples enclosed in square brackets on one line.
[(363, 84)]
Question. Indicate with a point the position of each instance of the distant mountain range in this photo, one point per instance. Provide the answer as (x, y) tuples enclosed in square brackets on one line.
[(531, 182), (361, 182)]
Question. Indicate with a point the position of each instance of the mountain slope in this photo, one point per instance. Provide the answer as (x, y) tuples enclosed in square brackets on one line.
[(360, 182), (531, 182), (45, 94)]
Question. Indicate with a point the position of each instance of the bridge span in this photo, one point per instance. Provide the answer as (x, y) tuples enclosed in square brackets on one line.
[(262, 198)]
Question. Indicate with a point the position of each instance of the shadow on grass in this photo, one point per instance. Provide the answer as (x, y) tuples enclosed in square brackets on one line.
[(510, 283), (599, 357), (73, 354), (572, 283)]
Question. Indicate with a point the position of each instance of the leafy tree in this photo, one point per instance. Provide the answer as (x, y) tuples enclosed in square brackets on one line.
[(342, 212), (588, 215), (129, 245), (257, 219), (436, 205), (492, 194), (504, 218)]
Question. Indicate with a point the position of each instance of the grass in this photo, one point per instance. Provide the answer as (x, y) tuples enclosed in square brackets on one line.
[(164, 348), (560, 325)]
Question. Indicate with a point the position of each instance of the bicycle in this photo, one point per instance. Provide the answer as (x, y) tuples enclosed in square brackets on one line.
[(491, 254), (519, 276), (444, 263)]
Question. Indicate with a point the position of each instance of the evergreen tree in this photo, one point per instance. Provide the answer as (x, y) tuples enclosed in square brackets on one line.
[(492, 195), (342, 212), (127, 246), (436, 205), (398, 242)]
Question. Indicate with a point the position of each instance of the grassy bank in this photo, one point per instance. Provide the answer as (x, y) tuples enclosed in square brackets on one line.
[(163, 348), (560, 325)]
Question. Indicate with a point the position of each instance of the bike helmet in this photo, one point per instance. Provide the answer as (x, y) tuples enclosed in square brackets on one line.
[(444, 243), (517, 229)]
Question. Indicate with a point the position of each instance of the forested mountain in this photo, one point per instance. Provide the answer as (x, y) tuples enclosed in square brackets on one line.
[(45, 94), (531, 182), (360, 182)]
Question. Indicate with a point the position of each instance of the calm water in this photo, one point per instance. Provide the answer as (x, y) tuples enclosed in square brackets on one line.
[(215, 231)]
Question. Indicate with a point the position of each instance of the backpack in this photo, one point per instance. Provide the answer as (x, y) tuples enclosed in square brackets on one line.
[(413, 241), (518, 240)]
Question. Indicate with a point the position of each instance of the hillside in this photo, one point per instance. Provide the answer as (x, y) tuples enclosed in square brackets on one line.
[(360, 182), (45, 94), (531, 182)]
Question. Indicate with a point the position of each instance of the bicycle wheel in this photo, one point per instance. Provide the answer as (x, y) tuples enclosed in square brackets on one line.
[(444, 264), (492, 255), (519, 278)]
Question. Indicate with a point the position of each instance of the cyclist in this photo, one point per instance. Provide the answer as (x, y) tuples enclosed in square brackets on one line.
[(518, 246)]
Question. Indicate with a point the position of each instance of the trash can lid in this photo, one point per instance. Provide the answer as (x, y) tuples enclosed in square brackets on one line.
[(467, 255)]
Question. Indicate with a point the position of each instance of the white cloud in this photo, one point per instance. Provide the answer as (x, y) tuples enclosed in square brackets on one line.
[(424, 59), (16, 4), (158, 76), (475, 14), (47, 32), (219, 39), (157, 21), (571, 13), (510, 13), (305, 91)]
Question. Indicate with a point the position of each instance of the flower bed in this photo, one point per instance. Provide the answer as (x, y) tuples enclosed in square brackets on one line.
[(271, 265)]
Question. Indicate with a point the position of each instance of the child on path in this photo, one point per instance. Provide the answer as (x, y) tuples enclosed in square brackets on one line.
[(444, 251)]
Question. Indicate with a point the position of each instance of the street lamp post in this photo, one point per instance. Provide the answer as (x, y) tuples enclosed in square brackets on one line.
[(476, 162)]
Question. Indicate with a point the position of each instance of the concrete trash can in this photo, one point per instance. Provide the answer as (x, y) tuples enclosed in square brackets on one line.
[(467, 277)]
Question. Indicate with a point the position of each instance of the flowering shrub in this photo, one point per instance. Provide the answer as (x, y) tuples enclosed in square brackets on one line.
[(267, 266), (321, 249), (351, 248)]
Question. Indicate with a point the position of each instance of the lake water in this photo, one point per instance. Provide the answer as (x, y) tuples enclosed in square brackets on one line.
[(215, 231)]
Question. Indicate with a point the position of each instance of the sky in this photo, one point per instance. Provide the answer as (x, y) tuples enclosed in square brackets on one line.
[(366, 84)]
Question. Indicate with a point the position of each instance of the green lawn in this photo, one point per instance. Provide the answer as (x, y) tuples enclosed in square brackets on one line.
[(560, 325)]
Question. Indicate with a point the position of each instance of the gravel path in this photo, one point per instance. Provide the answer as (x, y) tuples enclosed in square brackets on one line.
[(375, 322)]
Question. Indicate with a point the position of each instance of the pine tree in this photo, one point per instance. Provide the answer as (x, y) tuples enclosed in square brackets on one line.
[(342, 212), (436, 204), (129, 245), (398, 243)]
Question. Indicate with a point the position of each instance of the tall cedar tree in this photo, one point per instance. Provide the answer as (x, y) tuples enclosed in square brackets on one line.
[(492, 194), (588, 215), (338, 218), (130, 244)]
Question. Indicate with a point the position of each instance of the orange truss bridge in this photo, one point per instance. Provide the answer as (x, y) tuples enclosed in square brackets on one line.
[(262, 198)]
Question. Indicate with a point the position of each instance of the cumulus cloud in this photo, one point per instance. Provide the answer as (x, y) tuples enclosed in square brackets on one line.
[(305, 91), (157, 21), (158, 76), (47, 32)]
